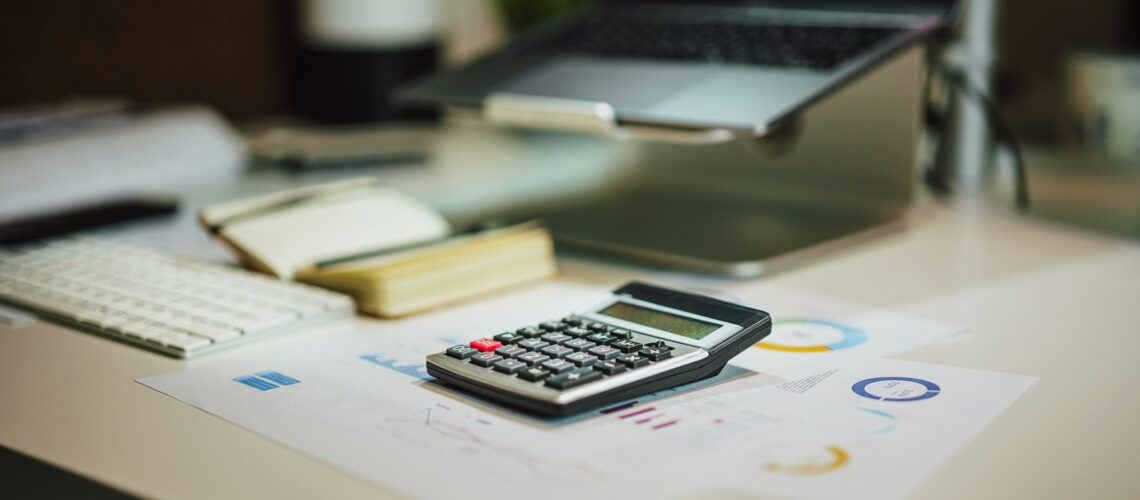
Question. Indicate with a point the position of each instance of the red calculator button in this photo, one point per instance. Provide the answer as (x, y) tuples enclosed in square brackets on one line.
[(486, 345)]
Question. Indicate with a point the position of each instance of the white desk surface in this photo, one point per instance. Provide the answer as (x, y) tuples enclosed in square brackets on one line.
[(1039, 299)]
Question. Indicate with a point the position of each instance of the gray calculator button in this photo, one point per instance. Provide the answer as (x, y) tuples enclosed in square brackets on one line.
[(604, 352), (534, 373), (556, 338), (485, 359), (510, 351), (509, 366), (576, 331), (573, 378), (558, 365), (533, 344), (556, 351), (533, 357), (552, 326), (579, 344), (461, 351), (582, 358)]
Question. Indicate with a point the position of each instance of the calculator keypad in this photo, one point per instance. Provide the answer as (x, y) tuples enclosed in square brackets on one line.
[(565, 353)]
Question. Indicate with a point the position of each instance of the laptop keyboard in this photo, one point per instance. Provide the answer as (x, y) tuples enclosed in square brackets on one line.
[(808, 47)]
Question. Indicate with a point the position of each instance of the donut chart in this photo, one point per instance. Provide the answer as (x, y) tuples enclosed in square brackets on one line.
[(811, 335), (807, 459), (901, 389)]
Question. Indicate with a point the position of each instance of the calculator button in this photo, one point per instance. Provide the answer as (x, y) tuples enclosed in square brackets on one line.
[(552, 326), (579, 344), (509, 366), (530, 332), (510, 351), (485, 359), (621, 333), (576, 331), (533, 344), (558, 365), (655, 353), (625, 345), (557, 351), (660, 344), (573, 321), (598, 327), (609, 367), (534, 373), (601, 338), (573, 378), (509, 338), (533, 358), (582, 358), (486, 345), (633, 360), (604, 352), (461, 352), (556, 338)]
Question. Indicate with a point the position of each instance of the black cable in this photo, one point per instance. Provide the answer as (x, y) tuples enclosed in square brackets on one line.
[(1001, 128)]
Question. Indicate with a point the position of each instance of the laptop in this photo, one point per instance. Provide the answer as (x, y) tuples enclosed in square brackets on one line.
[(741, 65)]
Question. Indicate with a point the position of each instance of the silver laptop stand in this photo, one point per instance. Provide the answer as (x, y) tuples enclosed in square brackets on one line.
[(710, 201)]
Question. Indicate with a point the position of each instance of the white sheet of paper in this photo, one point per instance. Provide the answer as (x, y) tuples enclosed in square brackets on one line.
[(364, 404)]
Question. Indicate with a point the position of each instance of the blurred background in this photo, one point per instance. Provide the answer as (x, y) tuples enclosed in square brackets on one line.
[(1064, 74)]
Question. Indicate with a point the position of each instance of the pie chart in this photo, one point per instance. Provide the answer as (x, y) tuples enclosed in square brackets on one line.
[(811, 335)]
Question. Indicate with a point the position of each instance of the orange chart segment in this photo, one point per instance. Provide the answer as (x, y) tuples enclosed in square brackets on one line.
[(829, 459), (811, 335)]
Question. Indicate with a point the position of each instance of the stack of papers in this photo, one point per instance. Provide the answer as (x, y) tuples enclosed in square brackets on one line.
[(814, 411)]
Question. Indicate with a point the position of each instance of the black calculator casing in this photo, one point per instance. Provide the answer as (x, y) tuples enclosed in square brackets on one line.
[(691, 364)]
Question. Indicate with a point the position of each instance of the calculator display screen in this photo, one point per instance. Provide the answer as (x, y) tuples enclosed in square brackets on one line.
[(672, 323)]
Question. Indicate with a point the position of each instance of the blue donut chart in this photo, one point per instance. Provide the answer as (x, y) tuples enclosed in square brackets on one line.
[(932, 389)]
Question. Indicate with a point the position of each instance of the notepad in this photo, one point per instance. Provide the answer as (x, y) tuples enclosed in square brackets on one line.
[(394, 254)]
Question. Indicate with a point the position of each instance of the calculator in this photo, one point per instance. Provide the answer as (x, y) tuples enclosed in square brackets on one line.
[(635, 340)]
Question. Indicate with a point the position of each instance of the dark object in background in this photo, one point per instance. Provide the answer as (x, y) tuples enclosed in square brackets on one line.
[(355, 86), (79, 219)]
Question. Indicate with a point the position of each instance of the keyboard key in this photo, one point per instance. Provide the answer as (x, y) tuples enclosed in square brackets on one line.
[(579, 344), (621, 333), (509, 338), (601, 338), (598, 327), (604, 352), (533, 344), (509, 366), (533, 358), (534, 373), (576, 331), (633, 360), (557, 351), (609, 367), (656, 351), (558, 365), (486, 345), (552, 326), (510, 351), (461, 351), (625, 345), (582, 358), (530, 332), (485, 359), (574, 378), (556, 338), (574, 321)]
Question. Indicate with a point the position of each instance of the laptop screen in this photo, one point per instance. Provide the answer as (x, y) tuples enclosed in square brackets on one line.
[(900, 6)]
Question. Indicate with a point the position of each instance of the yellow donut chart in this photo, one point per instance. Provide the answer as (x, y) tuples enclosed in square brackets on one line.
[(837, 457)]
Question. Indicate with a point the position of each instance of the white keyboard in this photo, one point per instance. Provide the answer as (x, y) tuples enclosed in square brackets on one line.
[(176, 306)]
